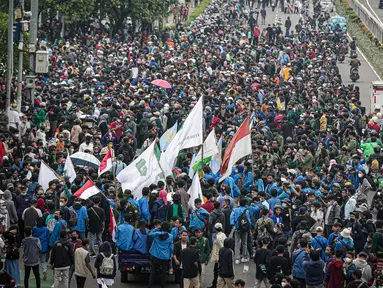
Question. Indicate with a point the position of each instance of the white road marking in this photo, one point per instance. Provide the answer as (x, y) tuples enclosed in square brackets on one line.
[(373, 12)]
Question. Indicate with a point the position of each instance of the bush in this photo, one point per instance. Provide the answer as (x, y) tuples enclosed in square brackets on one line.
[(367, 42), (197, 11)]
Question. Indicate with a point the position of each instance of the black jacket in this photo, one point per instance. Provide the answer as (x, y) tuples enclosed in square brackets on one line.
[(262, 257), (190, 256), (217, 216), (277, 264), (225, 264), (227, 212), (62, 254), (177, 252)]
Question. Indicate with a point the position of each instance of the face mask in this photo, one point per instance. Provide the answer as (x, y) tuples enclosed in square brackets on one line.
[(73, 238), (294, 207), (56, 217), (268, 164), (360, 175), (62, 204), (23, 194), (347, 260), (283, 284)]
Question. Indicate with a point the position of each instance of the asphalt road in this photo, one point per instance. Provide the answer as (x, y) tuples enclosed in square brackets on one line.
[(372, 6), (367, 75)]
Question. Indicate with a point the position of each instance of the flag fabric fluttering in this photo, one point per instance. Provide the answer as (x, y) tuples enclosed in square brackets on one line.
[(87, 190), (143, 171), (113, 224), (167, 137), (69, 169), (189, 136), (106, 163), (195, 190), (216, 160), (210, 148), (239, 147), (46, 175)]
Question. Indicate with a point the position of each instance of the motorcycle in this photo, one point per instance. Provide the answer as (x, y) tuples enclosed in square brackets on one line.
[(354, 76), (341, 57)]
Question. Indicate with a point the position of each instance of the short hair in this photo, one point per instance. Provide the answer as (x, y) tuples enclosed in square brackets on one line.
[(145, 191), (240, 282), (217, 205), (379, 224), (197, 201), (314, 255), (127, 218), (165, 226), (192, 241), (339, 253), (280, 249), (96, 199), (184, 231), (156, 222), (85, 242), (242, 202), (357, 273), (63, 233), (28, 231)]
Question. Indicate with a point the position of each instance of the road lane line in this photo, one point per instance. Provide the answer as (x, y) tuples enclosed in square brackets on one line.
[(373, 11)]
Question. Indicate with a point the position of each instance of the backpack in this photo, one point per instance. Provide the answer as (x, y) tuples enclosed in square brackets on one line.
[(73, 219), (107, 265), (50, 222), (346, 247), (243, 222)]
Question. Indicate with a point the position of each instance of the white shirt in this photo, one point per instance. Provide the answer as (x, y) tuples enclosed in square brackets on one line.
[(13, 118), (85, 146), (350, 207)]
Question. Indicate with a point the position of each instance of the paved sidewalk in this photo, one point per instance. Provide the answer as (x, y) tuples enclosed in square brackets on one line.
[(170, 18)]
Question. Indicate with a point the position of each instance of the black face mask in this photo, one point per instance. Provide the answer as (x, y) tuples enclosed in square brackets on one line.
[(57, 218), (73, 238)]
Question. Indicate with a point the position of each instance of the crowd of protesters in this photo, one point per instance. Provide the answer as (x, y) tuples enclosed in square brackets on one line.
[(305, 206)]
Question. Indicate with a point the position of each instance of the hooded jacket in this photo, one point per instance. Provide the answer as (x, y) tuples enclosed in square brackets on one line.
[(13, 219), (226, 258), (124, 236), (313, 270), (106, 249), (82, 215), (334, 273), (162, 246), (362, 265), (62, 254), (216, 216)]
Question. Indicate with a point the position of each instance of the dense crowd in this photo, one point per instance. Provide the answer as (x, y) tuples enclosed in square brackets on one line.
[(304, 206)]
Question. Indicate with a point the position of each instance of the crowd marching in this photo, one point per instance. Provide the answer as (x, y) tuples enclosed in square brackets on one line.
[(289, 174)]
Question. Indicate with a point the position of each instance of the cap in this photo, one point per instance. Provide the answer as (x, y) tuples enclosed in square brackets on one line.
[(363, 254), (218, 226), (319, 229)]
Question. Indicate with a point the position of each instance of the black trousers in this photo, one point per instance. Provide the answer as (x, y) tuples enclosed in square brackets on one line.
[(159, 269), (36, 272), (80, 281), (179, 278), (215, 279)]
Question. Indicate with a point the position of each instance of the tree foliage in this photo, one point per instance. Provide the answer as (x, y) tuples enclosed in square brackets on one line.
[(74, 10)]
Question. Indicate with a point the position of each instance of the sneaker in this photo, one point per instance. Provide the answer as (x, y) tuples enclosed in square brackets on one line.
[(244, 260), (237, 262), (92, 255)]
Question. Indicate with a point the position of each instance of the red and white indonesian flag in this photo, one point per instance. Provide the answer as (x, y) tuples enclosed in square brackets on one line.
[(113, 224), (88, 190), (106, 164), (239, 147)]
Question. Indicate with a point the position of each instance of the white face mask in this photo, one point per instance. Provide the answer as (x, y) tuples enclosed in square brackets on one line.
[(283, 284), (360, 175)]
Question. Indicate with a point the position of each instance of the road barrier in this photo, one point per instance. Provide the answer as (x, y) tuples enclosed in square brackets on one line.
[(373, 24)]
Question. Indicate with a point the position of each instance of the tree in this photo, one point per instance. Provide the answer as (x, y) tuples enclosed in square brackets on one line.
[(74, 10)]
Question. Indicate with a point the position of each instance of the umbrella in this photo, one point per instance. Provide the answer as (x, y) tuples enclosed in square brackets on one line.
[(85, 160), (161, 83)]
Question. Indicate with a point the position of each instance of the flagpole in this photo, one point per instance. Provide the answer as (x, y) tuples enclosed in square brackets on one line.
[(203, 140)]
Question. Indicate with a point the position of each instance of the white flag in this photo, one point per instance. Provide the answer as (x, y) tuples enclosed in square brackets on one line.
[(142, 172), (189, 136), (195, 190), (216, 161), (69, 169), (210, 148), (46, 175)]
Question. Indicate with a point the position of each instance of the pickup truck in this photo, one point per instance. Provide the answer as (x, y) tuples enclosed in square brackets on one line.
[(133, 262)]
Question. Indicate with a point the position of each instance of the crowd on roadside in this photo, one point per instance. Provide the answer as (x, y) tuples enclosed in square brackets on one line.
[(305, 206)]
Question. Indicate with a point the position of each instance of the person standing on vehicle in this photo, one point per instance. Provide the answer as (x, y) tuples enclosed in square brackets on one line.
[(32, 248), (161, 251), (82, 216), (124, 234), (82, 264), (61, 260), (190, 263), (96, 224)]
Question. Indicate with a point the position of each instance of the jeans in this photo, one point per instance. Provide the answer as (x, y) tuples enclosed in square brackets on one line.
[(240, 239), (61, 277), (93, 239), (71, 273), (159, 268), (80, 281), (195, 281), (43, 261), (36, 272), (250, 247)]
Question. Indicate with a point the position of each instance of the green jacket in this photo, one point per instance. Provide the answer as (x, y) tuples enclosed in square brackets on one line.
[(308, 162), (204, 249), (368, 148), (38, 118), (352, 146), (377, 242)]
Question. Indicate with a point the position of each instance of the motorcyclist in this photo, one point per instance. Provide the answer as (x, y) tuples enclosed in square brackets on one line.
[(354, 63), (353, 44)]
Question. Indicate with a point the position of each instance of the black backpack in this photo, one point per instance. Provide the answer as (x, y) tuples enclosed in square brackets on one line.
[(243, 221)]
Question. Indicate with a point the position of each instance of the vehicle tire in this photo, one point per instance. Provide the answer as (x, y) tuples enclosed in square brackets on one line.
[(124, 277)]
